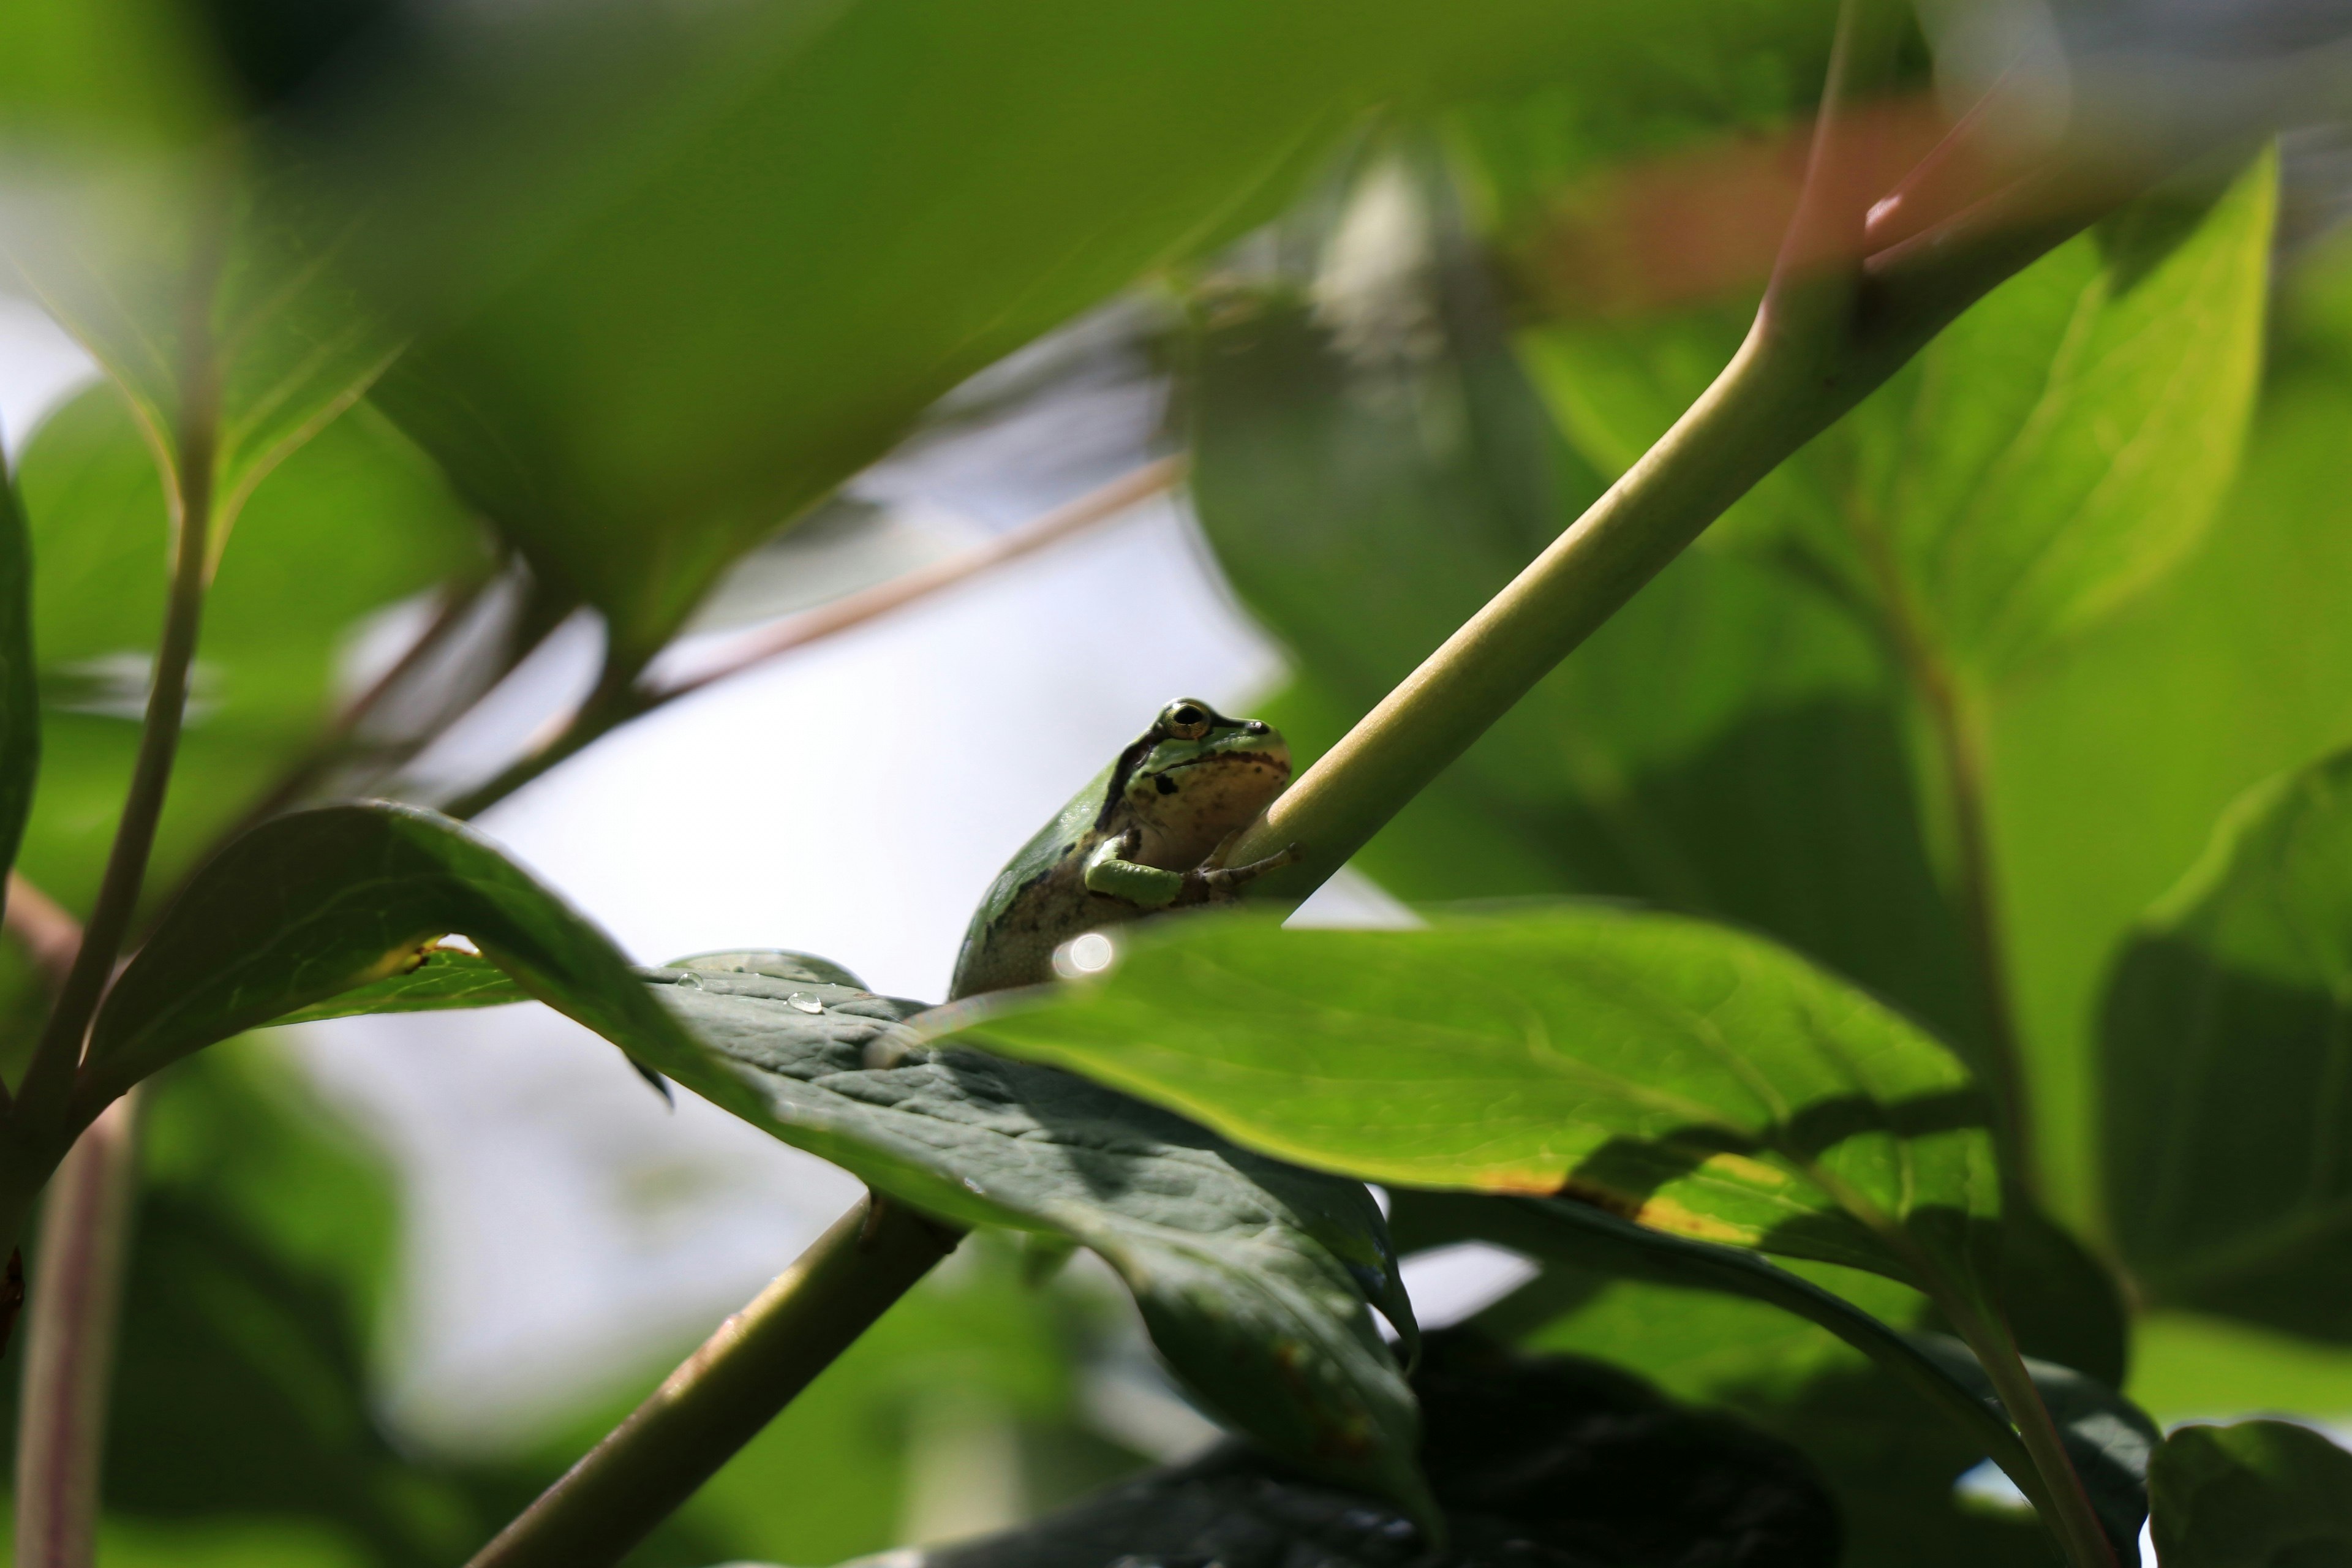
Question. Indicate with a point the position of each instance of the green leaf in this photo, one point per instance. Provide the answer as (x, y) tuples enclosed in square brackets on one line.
[(439, 979), (311, 905), (2260, 1494), (1588, 1238), (1537, 1460), (1816, 1400), (354, 521), (1685, 1075), (1731, 745), (672, 340), (1253, 1277), (219, 308), (2054, 452), (2226, 1107), (20, 686)]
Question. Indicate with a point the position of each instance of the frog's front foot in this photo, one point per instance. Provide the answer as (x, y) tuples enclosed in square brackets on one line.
[(1224, 883)]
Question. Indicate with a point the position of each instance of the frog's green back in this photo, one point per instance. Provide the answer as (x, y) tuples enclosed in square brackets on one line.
[(1052, 845)]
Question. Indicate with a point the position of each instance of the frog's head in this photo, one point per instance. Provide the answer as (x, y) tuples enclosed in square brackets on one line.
[(1194, 776)]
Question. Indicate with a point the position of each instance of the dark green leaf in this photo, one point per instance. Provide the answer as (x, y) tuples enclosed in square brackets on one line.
[(1589, 1239), (2226, 1107), (1686, 1076), (20, 686), (2260, 1494), (1253, 1277), (440, 978), (776, 964), (1626, 1293), (1548, 1462), (311, 905)]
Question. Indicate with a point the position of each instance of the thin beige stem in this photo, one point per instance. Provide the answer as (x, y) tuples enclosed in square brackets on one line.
[(48, 932), (617, 702), (69, 1356), (856, 609)]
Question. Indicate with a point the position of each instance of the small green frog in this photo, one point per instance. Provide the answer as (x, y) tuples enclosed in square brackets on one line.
[(1133, 842)]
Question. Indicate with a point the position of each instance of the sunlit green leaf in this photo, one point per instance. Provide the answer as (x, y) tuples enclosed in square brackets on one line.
[(1253, 1277), (2056, 451), (2225, 1102), (2260, 1494), (219, 308), (1685, 1075), (443, 978)]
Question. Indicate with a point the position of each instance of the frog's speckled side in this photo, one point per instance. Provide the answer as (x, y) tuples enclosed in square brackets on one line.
[(1165, 804)]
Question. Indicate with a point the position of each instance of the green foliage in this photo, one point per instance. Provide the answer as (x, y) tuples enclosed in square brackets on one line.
[(2221, 1039), (1702, 1082), (349, 524), (818, 219), (1252, 1277), (2260, 1494), (1936, 711), (1551, 1460)]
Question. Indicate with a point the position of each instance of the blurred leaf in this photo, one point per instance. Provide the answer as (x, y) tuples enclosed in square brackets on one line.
[(307, 906), (2260, 1494), (1549, 1462), (242, 1425), (1731, 745), (2226, 1107), (2051, 455), (2110, 766), (217, 304), (2184, 1363), (352, 523), (20, 686), (441, 978), (105, 75), (1701, 1081), (1253, 1277), (669, 346)]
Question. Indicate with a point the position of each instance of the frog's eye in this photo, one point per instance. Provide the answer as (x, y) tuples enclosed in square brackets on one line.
[(1185, 719)]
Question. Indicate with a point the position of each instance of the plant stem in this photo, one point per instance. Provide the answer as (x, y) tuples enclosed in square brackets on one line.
[(1958, 739), (48, 1082), (1793, 375), (2067, 1512), (726, 1392), (69, 1356)]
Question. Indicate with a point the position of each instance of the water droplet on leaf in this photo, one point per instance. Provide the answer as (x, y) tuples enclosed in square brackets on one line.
[(802, 1001)]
